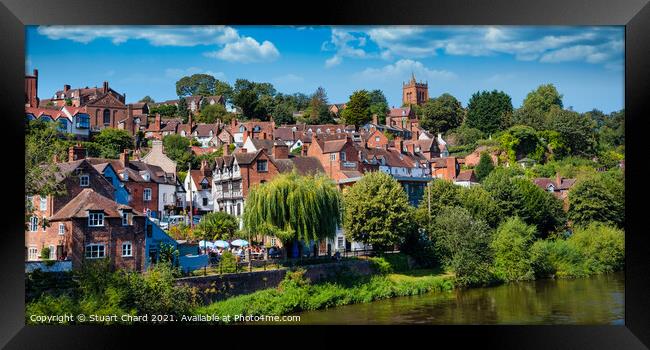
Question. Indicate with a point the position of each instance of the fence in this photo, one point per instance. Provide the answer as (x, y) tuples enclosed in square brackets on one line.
[(48, 266)]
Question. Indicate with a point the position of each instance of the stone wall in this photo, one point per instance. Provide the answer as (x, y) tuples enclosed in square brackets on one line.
[(218, 287)]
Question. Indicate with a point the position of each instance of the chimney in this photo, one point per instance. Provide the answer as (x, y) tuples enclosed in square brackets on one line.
[(280, 150), (245, 136), (105, 87), (399, 144), (304, 150), (124, 158), (36, 73), (415, 135), (157, 146), (204, 166), (558, 179), (66, 88), (450, 170), (157, 122), (233, 124), (263, 135), (76, 152), (374, 119), (226, 149)]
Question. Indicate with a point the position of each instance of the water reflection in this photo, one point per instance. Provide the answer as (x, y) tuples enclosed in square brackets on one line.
[(595, 300)]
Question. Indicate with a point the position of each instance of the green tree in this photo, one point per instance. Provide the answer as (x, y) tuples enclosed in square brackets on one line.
[(357, 112), (520, 142), (182, 110), (147, 99), (517, 196), (376, 211), (177, 148), (293, 208), (113, 142), (534, 118), (484, 166), (511, 246), (577, 131), (222, 88), (211, 113), (463, 244), (164, 110), (196, 84), (598, 198), (441, 114), (612, 131), (543, 99), (318, 110), (602, 246), (378, 105), (250, 97), (216, 225), (466, 136), (489, 111)]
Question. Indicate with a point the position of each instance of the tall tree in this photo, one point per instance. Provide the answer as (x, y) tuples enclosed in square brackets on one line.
[(224, 89), (357, 112), (441, 114), (542, 99), (113, 142), (489, 111), (294, 208), (182, 110), (196, 84), (211, 113), (599, 198), (376, 211), (254, 99), (484, 166), (378, 105), (147, 99), (164, 110), (318, 107), (577, 131), (177, 148)]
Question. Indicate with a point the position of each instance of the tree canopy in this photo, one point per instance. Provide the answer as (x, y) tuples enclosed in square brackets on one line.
[(489, 111), (377, 211), (378, 105), (441, 114), (211, 113), (112, 142), (201, 84), (357, 112), (216, 225), (294, 208)]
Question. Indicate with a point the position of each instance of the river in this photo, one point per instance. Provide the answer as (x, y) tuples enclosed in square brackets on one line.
[(584, 301)]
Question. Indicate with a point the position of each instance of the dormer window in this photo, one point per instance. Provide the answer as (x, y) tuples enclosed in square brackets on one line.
[(550, 188), (84, 180), (126, 218), (146, 176), (95, 219)]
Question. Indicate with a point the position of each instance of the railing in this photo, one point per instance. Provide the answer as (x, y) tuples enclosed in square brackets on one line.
[(48, 266)]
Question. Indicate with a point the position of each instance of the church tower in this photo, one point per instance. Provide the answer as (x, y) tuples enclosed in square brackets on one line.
[(414, 92)]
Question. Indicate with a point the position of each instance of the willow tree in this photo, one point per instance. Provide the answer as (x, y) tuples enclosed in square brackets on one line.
[(294, 208)]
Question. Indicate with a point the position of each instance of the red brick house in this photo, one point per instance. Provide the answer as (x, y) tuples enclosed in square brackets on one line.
[(559, 187), (96, 227), (337, 154)]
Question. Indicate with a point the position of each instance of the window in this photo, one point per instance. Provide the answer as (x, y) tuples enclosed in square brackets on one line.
[(107, 117), (340, 243), (205, 202), (273, 241), (95, 251), (147, 194), (33, 224), (95, 219), (343, 156), (83, 121), (377, 138), (125, 218), (332, 156), (63, 124), (84, 180), (32, 254), (262, 166), (61, 228), (52, 253), (126, 249), (43, 204), (238, 209)]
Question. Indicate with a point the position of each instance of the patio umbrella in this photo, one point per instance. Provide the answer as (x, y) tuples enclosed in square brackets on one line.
[(221, 244), (239, 243), (205, 244)]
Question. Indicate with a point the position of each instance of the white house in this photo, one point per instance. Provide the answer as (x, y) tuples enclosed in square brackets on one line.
[(198, 184)]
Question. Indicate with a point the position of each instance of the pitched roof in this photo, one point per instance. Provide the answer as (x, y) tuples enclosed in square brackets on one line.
[(303, 165), (263, 144), (39, 112), (89, 200), (198, 150), (400, 112), (198, 176), (203, 130), (466, 175)]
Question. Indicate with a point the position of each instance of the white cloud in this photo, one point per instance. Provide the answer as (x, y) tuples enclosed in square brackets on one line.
[(155, 35), (246, 50), (176, 73), (404, 68), (333, 61), (346, 44)]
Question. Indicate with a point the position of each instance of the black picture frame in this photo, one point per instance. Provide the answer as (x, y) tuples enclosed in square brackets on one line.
[(633, 14)]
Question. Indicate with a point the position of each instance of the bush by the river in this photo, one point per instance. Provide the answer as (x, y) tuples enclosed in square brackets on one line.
[(512, 242), (296, 293), (103, 292), (597, 248)]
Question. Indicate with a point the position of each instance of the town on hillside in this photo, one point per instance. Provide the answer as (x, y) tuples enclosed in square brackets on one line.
[(129, 198)]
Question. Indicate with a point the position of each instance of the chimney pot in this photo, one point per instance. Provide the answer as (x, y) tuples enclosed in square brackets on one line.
[(105, 87)]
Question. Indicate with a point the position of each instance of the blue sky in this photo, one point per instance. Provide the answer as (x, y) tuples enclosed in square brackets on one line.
[(586, 64)]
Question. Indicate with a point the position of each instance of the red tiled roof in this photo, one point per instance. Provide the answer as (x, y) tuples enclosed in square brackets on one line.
[(466, 175), (89, 200)]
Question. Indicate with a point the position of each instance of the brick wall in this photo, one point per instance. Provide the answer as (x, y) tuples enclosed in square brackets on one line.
[(250, 176), (219, 287), (137, 202)]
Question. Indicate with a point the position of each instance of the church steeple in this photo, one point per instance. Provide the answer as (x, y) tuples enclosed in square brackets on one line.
[(412, 77), (415, 93)]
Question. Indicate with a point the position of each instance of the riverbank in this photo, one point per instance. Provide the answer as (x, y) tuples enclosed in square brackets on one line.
[(297, 294)]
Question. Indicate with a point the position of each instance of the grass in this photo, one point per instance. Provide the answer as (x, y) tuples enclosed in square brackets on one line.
[(297, 294)]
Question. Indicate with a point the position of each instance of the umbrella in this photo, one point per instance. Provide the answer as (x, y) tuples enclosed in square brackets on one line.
[(239, 243), (204, 244), (221, 244)]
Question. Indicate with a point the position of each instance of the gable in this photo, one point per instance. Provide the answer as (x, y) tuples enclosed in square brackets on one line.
[(106, 100)]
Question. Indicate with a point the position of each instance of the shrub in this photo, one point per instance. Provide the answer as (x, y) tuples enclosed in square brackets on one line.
[(228, 263), (602, 246), (45, 253), (380, 265), (511, 246)]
